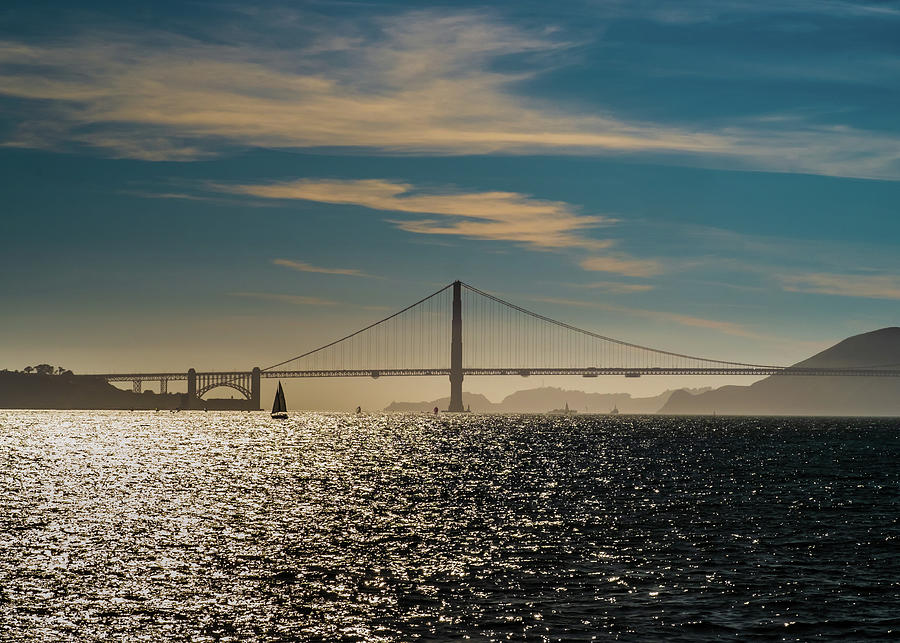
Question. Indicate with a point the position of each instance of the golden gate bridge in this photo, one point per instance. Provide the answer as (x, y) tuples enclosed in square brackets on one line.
[(485, 335)]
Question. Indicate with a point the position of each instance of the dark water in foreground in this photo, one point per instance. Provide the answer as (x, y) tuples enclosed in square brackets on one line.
[(205, 526)]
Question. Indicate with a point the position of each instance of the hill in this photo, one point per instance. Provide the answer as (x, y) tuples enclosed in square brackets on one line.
[(812, 395), (68, 391), (541, 400), (30, 391)]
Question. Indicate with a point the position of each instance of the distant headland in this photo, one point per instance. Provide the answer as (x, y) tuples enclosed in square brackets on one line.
[(54, 387), (799, 395)]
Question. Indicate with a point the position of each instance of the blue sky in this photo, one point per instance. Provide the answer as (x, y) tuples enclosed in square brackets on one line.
[(216, 185)]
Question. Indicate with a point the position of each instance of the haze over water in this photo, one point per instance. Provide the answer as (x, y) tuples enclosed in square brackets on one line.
[(207, 526)]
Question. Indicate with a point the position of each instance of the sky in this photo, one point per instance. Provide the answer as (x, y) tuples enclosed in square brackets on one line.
[(220, 185)]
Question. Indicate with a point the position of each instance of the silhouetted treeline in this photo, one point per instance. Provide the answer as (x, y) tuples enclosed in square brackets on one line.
[(42, 369)]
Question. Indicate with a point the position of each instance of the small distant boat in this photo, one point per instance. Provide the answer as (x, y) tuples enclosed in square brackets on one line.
[(358, 410), (615, 411), (279, 407)]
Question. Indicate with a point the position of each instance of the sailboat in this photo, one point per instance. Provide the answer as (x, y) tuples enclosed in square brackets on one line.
[(279, 407)]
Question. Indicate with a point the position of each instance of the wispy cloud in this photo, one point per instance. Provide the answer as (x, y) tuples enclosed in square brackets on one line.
[(287, 299), (615, 287), (623, 265), (422, 83), (302, 266), (184, 196), (496, 216), (419, 82), (792, 263), (866, 286), (709, 10), (728, 328)]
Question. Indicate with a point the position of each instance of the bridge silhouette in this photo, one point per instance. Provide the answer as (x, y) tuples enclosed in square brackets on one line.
[(485, 335)]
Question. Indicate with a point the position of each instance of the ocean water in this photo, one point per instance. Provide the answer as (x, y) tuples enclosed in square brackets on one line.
[(330, 527)]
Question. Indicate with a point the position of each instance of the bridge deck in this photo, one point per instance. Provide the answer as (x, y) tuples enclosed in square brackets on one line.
[(522, 372)]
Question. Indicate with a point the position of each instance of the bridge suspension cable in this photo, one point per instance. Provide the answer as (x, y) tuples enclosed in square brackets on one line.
[(412, 323), (541, 337)]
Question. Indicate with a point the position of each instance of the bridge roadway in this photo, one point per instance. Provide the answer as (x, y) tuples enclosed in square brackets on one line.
[(248, 382), (523, 372)]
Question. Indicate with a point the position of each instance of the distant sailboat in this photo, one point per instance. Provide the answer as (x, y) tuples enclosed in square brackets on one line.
[(279, 407)]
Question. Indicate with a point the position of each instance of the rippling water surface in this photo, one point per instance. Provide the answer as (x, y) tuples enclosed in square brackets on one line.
[(229, 526)]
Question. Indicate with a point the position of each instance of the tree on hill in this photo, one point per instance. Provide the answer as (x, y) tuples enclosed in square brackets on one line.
[(46, 369)]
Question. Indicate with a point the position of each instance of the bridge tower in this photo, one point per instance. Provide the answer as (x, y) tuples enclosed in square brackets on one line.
[(193, 401), (255, 389), (456, 367)]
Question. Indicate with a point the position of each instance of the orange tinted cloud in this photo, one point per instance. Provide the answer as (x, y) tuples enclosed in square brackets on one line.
[(622, 265), (496, 216), (302, 266), (424, 83), (419, 82)]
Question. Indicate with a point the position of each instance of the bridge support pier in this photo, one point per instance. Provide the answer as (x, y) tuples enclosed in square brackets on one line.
[(255, 389), (193, 401), (456, 368)]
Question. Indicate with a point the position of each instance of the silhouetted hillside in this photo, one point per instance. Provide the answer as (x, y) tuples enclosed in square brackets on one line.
[(478, 402), (68, 391), (26, 391), (541, 400), (791, 395)]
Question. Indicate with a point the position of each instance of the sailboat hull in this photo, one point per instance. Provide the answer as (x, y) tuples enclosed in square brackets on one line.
[(280, 416)]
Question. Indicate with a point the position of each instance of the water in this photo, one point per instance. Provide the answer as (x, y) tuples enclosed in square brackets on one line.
[(229, 526)]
